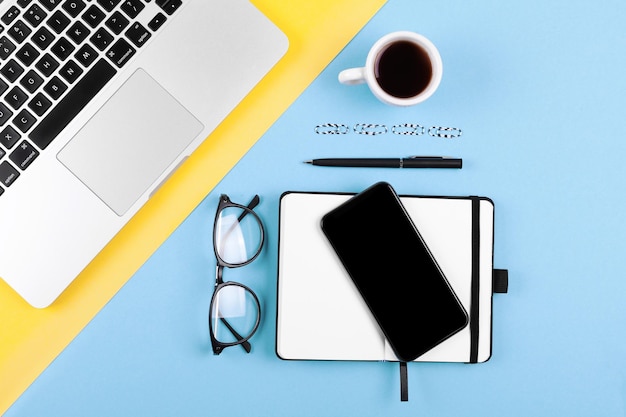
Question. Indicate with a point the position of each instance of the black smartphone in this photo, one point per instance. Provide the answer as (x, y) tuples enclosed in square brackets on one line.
[(393, 269)]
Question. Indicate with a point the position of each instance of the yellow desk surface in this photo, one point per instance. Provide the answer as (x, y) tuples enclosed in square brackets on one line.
[(30, 339)]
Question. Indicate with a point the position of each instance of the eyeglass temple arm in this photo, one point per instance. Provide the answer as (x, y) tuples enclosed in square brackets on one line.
[(246, 345), (251, 205)]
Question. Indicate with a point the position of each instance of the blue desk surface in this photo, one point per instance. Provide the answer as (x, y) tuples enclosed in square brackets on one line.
[(538, 89)]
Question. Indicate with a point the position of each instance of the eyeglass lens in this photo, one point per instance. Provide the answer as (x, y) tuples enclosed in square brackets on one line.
[(234, 313), (238, 235)]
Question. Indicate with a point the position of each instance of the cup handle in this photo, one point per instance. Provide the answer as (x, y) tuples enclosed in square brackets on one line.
[(352, 76)]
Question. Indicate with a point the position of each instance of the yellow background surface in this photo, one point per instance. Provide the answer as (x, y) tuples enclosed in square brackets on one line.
[(30, 339)]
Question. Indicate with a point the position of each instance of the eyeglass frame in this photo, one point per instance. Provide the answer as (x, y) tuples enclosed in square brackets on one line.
[(216, 345)]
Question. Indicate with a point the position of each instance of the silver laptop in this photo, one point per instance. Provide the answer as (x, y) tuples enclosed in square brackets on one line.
[(100, 100)]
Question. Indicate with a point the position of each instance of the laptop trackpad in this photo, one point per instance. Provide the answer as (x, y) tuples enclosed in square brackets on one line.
[(130, 142)]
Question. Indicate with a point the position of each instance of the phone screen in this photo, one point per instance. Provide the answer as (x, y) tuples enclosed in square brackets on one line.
[(400, 281)]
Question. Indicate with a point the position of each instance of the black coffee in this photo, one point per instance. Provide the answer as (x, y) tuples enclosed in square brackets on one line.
[(403, 69)]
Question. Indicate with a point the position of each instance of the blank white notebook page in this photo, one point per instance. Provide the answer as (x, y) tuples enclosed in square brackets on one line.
[(321, 314)]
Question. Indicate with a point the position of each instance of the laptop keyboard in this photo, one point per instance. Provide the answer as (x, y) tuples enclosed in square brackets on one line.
[(55, 56)]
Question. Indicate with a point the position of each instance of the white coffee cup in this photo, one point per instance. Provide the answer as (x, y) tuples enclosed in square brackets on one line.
[(402, 68)]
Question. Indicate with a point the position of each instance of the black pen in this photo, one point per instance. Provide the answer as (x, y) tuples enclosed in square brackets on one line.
[(410, 162)]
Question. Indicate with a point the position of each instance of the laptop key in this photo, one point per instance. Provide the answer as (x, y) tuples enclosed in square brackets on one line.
[(5, 115), (6, 47), (24, 120), (35, 15), (47, 64), (42, 38), (108, 5), (62, 49), (39, 104), (169, 6), (19, 31), (58, 21), (157, 21), (9, 137), (78, 32), (31, 81), (50, 4), (73, 102), (24, 155), (120, 52), (10, 15), (74, 7), (55, 88), (16, 97), (70, 71), (86, 55), (93, 16), (8, 174), (138, 34), (117, 23), (27, 54), (132, 8), (12, 70), (101, 39)]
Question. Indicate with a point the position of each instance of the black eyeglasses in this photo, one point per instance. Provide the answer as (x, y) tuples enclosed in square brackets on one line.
[(235, 311)]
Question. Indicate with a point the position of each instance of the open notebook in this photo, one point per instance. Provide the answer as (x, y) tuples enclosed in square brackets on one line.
[(320, 313)]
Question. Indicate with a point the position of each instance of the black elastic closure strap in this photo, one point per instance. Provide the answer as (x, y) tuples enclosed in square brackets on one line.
[(500, 281), (404, 382), (475, 299)]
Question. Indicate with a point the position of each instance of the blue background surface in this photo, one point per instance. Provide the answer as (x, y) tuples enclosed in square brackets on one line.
[(537, 88)]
